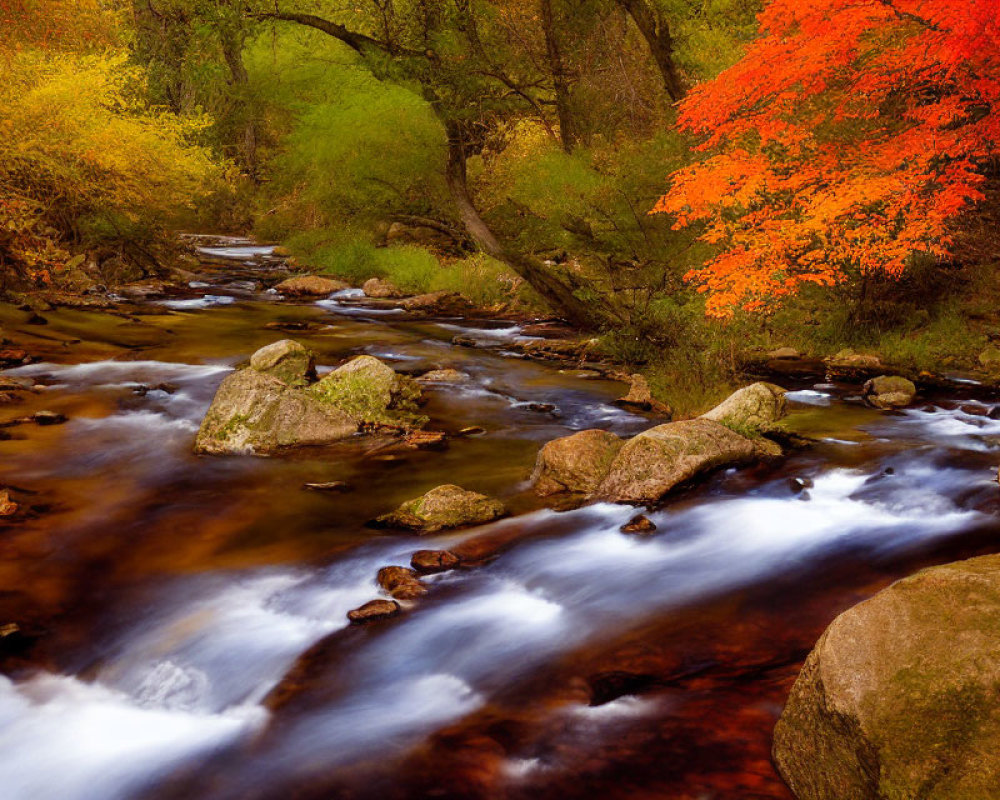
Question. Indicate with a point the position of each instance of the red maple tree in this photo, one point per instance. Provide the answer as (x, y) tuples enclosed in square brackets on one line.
[(845, 141)]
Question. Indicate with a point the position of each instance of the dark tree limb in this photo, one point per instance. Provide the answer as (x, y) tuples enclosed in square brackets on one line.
[(656, 31)]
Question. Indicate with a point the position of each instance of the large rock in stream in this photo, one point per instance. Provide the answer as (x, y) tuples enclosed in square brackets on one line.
[(275, 403), (447, 506), (889, 392), (899, 697), (646, 467), (576, 464), (654, 462)]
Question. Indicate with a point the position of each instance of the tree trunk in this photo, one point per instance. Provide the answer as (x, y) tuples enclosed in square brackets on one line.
[(536, 274), (568, 133), (232, 50), (656, 32)]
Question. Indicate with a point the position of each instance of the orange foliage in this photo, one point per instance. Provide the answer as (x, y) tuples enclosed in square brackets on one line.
[(844, 141)]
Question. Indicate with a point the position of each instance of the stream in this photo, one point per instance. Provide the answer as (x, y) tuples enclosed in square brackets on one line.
[(190, 612)]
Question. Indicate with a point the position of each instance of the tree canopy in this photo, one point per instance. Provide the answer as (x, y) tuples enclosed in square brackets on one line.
[(844, 142)]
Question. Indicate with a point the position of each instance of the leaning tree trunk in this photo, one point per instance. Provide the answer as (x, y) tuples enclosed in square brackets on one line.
[(656, 32), (558, 293)]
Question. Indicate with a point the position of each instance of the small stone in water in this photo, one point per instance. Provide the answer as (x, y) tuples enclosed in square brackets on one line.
[(798, 484), (48, 418), (330, 486), (541, 408), (401, 582), (8, 507), (472, 430), (639, 524), (428, 561), (373, 611)]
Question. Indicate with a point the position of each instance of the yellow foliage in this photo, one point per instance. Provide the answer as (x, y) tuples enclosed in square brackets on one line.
[(77, 141)]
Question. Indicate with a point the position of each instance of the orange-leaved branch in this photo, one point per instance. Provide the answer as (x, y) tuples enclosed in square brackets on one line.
[(845, 141)]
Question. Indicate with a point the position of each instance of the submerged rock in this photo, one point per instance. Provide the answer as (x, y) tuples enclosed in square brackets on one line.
[(374, 610), (444, 376), (753, 408), (310, 286), (576, 464), (640, 524), (447, 506), (888, 392), (429, 561), (271, 405), (898, 698), (654, 462)]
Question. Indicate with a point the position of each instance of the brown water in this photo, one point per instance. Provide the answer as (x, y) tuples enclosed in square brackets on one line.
[(188, 613)]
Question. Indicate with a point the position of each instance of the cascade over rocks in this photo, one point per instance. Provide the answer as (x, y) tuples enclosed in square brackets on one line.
[(274, 404), (898, 698), (646, 467), (447, 506)]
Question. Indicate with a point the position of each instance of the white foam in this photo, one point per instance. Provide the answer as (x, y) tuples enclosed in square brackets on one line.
[(809, 397), (207, 301), (62, 739), (237, 252), (122, 372)]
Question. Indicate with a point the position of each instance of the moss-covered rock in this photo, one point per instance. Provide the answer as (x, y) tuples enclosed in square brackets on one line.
[(447, 506), (575, 464), (272, 405), (286, 360), (753, 408), (654, 462), (898, 699), (889, 391), (256, 413), (372, 393)]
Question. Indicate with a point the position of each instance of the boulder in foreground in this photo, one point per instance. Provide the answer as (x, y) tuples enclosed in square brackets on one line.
[(899, 697), (447, 506)]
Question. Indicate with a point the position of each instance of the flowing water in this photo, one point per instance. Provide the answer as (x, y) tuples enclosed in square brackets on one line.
[(190, 611)]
